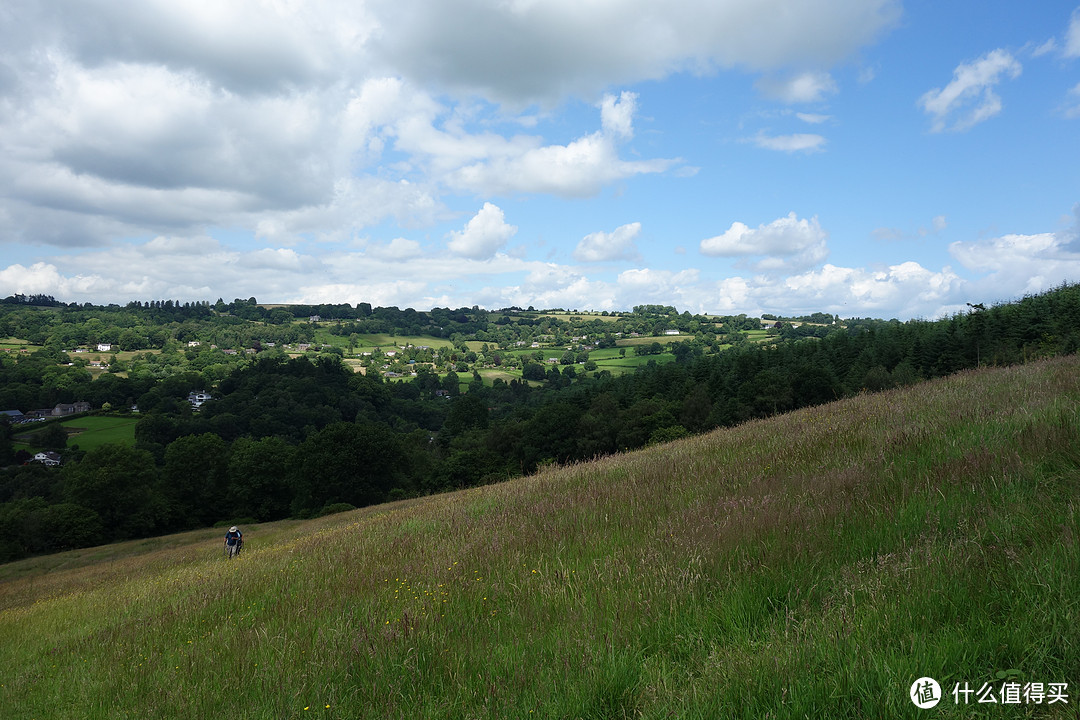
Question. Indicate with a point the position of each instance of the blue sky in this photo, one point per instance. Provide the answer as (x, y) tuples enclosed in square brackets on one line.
[(860, 157)]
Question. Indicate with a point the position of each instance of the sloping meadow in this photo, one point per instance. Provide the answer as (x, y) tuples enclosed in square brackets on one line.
[(812, 565)]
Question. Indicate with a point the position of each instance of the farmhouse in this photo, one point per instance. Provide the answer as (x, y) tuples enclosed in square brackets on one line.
[(49, 457), (197, 398), (105, 347), (70, 408)]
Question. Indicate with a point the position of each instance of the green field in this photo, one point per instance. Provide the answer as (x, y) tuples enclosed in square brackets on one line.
[(606, 359), (88, 432), (17, 345), (650, 339), (380, 340), (630, 363), (610, 360), (812, 565), (585, 316), (96, 430), (489, 375)]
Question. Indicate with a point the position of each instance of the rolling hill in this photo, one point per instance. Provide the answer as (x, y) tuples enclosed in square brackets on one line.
[(815, 564)]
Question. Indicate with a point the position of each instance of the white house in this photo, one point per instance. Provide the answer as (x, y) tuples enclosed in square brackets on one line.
[(197, 398), (104, 347), (50, 458)]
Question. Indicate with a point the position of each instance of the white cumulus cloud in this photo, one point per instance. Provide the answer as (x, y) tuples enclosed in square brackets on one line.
[(970, 98), (483, 235), (616, 245), (581, 168), (617, 115), (785, 243), (1025, 263)]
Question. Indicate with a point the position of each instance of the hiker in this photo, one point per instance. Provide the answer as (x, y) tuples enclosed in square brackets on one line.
[(234, 541)]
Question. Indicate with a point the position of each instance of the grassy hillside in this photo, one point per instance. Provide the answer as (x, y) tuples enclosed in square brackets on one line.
[(812, 565)]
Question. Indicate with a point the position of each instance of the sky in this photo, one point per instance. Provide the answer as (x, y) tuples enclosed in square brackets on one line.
[(868, 158)]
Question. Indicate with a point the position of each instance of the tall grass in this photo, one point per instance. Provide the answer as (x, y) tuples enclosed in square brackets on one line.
[(811, 565)]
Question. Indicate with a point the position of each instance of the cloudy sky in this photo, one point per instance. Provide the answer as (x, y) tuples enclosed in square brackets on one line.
[(862, 157)]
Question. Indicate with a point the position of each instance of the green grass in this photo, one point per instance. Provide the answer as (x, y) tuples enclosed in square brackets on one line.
[(811, 565), (88, 432), (609, 359), (585, 316), (17, 345), (96, 430), (381, 340), (650, 339), (489, 375)]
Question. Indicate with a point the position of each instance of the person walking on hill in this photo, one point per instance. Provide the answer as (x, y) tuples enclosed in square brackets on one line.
[(234, 541)]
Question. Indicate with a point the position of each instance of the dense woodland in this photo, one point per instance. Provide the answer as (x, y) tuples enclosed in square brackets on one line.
[(299, 436)]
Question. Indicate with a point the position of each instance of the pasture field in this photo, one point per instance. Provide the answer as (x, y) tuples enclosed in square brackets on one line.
[(619, 365), (650, 339), (549, 351), (88, 432), (585, 316), (489, 375), (609, 359), (16, 346), (810, 565), (355, 366), (367, 341), (16, 343), (385, 341), (93, 431)]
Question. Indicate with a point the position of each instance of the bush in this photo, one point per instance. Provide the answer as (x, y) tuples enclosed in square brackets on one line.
[(667, 434), (334, 508)]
